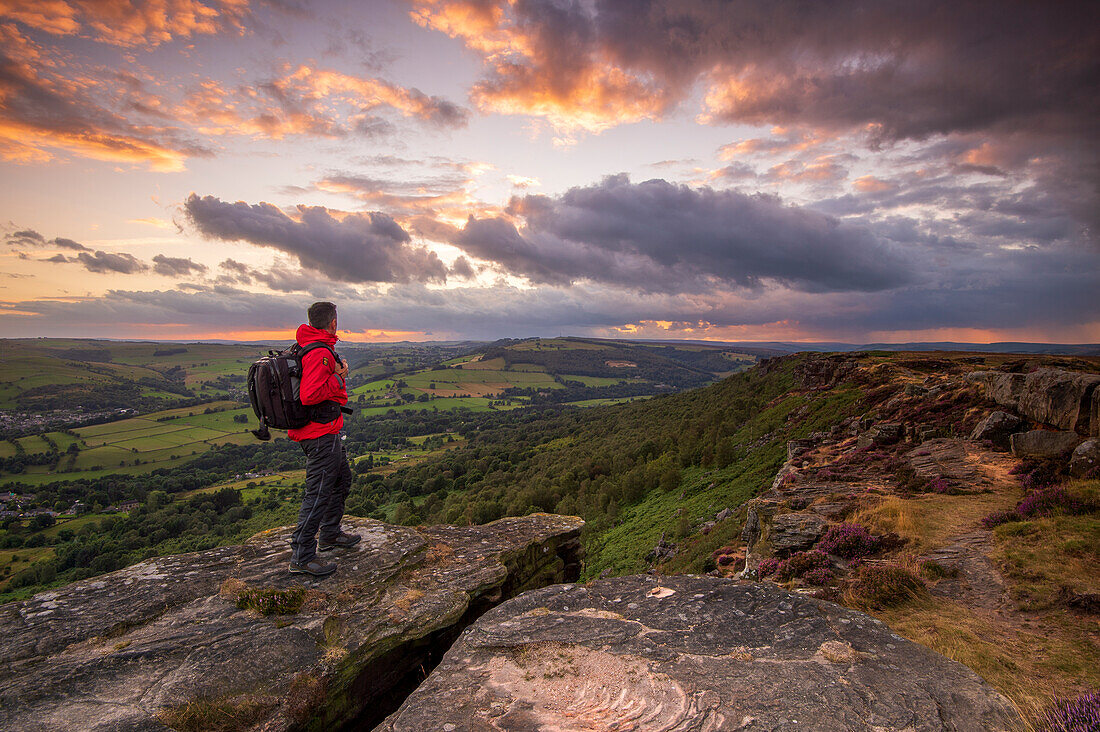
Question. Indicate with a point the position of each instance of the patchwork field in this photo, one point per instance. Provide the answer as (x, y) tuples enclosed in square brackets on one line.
[(138, 445)]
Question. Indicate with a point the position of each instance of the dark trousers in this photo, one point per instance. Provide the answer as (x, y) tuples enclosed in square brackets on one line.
[(328, 479)]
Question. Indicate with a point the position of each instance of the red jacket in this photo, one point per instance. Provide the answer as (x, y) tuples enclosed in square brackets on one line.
[(319, 382)]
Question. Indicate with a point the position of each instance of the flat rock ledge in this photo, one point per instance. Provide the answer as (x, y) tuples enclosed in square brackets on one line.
[(163, 645), (691, 653)]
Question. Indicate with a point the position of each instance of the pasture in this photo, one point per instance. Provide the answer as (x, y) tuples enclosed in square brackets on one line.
[(140, 444)]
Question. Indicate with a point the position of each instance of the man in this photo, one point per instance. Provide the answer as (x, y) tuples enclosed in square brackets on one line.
[(328, 475)]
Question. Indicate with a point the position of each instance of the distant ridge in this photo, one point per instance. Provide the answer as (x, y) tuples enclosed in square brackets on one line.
[(780, 347)]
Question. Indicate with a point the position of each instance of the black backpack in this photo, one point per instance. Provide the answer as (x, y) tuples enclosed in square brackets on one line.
[(273, 388)]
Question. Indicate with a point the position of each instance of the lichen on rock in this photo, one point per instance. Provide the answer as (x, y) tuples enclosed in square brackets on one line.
[(230, 634)]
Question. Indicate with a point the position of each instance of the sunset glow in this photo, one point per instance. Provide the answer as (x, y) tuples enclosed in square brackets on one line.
[(448, 169)]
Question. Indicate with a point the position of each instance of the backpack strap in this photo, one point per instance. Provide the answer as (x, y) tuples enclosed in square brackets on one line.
[(327, 411)]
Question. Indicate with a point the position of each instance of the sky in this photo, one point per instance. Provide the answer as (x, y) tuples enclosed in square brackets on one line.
[(760, 170)]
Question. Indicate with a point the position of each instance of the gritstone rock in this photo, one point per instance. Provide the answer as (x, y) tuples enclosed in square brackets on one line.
[(997, 428), (793, 532), (1061, 399), (692, 653), (153, 643), (1085, 460), (886, 433), (1043, 444)]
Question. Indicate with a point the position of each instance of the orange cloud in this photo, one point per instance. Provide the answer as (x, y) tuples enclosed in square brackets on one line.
[(824, 169), (594, 94), (871, 184), (45, 106), (129, 22)]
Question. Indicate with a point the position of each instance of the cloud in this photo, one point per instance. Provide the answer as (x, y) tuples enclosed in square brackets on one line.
[(31, 238), (367, 247), (43, 108), (1007, 297), (129, 22), (176, 266), (913, 69), (105, 262), (657, 236)]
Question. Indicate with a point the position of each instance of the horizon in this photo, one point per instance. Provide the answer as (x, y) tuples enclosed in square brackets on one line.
[(447, 170)]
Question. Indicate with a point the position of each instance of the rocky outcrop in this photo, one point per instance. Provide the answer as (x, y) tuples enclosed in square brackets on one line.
[(692, 653), (1061, 399), (1044, 444), (998, 427), (885, 433), (792, 532), (1085, 461), (945, 459), (173, 642)]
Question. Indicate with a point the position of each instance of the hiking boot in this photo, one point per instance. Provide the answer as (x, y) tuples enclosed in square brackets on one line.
[(314, 566), (342, 541)]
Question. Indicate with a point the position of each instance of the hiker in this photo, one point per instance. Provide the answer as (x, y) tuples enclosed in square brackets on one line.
[(328, 475)]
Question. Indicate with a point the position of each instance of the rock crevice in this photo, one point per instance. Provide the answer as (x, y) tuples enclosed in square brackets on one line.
[(163, 643)]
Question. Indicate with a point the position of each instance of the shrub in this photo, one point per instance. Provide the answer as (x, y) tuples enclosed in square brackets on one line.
[(768, 567), (884, 585), (850, 541), (1042, 502), (797, 566), (1073, 715), (819, 576), (1036, 474)]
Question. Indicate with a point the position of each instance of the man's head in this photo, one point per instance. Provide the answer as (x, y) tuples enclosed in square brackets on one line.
[(322, 315)]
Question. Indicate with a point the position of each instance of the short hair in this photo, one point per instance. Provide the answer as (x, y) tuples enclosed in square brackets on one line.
[(321, 314)]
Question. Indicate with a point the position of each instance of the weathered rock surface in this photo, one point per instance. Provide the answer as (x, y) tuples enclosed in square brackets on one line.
[(997, 428), (1061, 399), (791, 532), (886, 433), (1044, 444), (694, 653), (945, 458), (1085, 460), (163, 639)]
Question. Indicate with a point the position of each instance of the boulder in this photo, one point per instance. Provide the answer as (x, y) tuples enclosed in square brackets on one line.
[(692, 653), (1002, 388), (1044, 444), (884, 433), (1061, 399), (945, 458), (1085, 460), (175, 642), (997, 428), (792, 532)]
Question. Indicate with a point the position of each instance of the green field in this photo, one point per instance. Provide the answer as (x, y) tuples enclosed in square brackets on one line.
[(141, 444)]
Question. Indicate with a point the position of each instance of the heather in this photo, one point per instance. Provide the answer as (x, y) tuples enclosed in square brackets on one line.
[(1080, 714), (1042, 502), (812, 566), (851, 541)]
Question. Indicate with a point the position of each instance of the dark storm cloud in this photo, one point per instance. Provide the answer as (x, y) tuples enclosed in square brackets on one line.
[(1013, 292), (657, 236), (176, 266), (368, 247), (913, 68), (104, 262)]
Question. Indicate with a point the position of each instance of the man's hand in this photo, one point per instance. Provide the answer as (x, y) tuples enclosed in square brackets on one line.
[(341, 368)]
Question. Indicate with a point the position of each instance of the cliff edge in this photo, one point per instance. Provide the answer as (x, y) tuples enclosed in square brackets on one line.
[(692, 653), (228, 639)]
